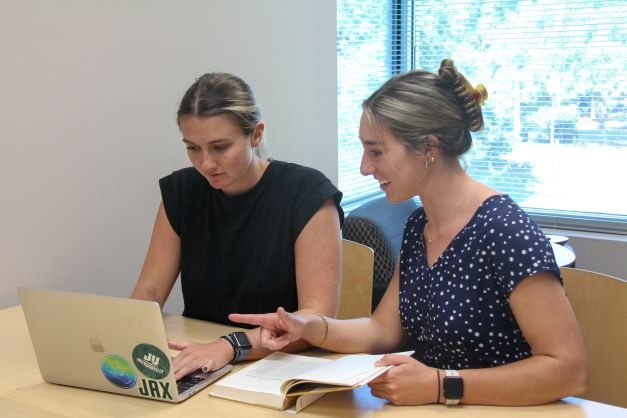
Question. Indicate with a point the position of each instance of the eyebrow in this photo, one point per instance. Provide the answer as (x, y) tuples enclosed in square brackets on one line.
[(187, 141), (372, 142)]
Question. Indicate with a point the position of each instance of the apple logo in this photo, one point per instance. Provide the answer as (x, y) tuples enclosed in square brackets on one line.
[(96, 344)]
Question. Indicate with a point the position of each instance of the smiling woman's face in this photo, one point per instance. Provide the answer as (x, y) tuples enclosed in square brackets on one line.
[(398, 171), (221, 152)]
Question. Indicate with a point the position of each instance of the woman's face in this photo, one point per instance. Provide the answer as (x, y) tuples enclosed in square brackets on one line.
[(399, 172), (221, 152)]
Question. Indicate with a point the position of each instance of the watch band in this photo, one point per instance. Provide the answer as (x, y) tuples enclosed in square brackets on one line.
[(242, 346), (453, 387)]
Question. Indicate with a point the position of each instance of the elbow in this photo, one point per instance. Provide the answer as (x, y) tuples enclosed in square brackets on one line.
[(578, 376), (581, 381)]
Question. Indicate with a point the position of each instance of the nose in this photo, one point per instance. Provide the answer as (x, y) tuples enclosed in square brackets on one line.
[(208, 163), (366, 168)]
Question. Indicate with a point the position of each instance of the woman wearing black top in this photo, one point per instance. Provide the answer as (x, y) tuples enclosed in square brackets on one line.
[(245, 233)]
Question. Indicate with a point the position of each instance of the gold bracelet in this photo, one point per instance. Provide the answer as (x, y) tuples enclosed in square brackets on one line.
[(325, 333)]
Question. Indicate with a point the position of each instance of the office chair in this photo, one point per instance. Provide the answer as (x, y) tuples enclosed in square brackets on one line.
[(379, 225)]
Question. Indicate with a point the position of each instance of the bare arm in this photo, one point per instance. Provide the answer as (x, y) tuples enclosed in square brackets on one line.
[(556, 369), (162, 263), (380, 333), (317, 252), (558, 366)]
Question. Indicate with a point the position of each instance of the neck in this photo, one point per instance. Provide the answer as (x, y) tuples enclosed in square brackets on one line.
[(445, 208), (444, 193)]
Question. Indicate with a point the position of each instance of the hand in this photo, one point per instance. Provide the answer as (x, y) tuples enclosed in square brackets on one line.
[(409, 382), (195, 356), (277, 329)]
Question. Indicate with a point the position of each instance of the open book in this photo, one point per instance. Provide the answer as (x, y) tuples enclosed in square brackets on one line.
[(281, 380)]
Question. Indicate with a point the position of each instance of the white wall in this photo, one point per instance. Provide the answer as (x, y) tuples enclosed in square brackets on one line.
[(88, 95)]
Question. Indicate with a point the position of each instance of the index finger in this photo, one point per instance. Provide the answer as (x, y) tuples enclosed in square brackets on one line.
[(265, 320)]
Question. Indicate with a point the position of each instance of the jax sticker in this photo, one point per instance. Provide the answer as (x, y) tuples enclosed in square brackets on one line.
[(151, 361), (118, 371)]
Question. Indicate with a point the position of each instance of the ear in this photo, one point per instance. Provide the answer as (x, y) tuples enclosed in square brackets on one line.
[(257, 135), (432, 141), (431, 145)]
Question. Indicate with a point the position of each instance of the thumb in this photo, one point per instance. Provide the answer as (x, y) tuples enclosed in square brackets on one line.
[(393, 360)]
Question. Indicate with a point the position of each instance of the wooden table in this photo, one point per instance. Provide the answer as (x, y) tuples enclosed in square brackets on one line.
[(24, 394)]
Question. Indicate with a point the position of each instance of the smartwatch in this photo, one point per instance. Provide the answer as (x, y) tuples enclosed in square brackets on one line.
[(453, 387), (241, 345)]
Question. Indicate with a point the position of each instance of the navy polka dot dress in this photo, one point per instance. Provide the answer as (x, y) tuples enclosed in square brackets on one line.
[(459, 308)]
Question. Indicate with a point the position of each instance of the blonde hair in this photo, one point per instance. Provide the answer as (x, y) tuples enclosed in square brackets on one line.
[(417, 104)]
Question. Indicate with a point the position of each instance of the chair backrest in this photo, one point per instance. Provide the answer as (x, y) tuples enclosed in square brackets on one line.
[(356, 284), (600, 305), (379, 224)]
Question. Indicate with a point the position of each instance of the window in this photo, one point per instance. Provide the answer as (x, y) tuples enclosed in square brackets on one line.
[(363, 58), (556, 121)]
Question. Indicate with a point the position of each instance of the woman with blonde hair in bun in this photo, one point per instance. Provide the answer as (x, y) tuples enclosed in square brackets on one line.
[(476, 284)]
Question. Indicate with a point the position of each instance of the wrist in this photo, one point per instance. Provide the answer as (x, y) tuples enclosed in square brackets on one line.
[(439, 376), (227, 349), (313, 328)]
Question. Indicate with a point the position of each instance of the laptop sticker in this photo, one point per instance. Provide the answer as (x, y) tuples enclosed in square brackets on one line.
[(155, 389), (118, 371), (151, 361)]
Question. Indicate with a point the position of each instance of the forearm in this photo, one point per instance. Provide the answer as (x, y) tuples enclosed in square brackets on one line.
[(535, 380), (361, 335), (152, 290)]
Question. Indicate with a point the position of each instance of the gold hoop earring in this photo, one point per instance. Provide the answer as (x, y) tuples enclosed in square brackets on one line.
[(429, 162)]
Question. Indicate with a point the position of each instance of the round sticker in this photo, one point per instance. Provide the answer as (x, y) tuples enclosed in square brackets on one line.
[(118, 371), (151, 361)]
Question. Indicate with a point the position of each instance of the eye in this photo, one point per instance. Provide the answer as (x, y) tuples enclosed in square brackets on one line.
[(220, 148), (192, 147), (375, 153)]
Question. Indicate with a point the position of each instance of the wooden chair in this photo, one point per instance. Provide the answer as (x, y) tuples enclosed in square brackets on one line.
[(356, 283), (600, 305)]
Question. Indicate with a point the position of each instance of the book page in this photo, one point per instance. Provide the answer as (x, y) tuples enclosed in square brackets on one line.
[(350, 370), (267, 375)]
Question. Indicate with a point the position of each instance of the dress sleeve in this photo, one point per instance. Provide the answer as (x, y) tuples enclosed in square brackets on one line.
[(519, 249), (171, 194), (314, 190)]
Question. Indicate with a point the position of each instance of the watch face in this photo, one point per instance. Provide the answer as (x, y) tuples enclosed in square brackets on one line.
[(453, 387), (241, 339)]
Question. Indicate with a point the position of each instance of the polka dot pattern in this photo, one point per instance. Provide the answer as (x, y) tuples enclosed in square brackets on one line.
[(459, 308)]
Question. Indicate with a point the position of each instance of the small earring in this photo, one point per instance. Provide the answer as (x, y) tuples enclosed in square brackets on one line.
[(429, 162)]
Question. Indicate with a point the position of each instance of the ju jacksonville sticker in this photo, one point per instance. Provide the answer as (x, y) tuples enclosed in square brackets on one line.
[(151, 361), (118, 371)]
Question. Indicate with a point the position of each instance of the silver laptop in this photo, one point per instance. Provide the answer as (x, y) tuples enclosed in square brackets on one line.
[(105, 343)]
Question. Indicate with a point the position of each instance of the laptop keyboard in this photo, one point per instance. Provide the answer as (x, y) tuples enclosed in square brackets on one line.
[(190, 380)]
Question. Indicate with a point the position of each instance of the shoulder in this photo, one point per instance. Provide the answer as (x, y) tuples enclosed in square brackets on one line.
[(294, 178), (501, 213), (296, 173), (301, 190)]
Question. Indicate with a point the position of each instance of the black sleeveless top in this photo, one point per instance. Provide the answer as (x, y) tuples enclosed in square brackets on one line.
[(237, 253)]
